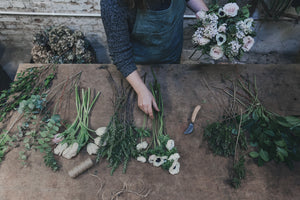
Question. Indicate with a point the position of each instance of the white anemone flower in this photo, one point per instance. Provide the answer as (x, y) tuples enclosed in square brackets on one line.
[(231, 9), (152, 158), (221, 13), (221, 38), (170, 145), (222, 28), (142, 145), (247, 43), (174, 157), (158, 161), (141, 159), (175, 167), (216, 52)]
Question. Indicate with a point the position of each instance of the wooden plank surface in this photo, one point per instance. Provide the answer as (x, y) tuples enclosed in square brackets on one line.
[(202, 175)]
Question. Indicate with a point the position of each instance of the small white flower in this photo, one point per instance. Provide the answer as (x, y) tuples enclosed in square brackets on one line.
[(221, 13), (221, 38), (201, 15), (59, 149), (235, 47), (71, 151), (174, 169), (248, 22), (213, 18), (222, 28), (200, 40), (141, 159), (210, 31), (216, 52), (152, 158), (142, 145), (174, 157), (240, 34), (92, 148), (170, 145), (231, 9), (100, 131), (248, 43), (158, 161)]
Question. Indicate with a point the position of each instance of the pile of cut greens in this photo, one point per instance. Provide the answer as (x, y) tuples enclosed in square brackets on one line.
[(121, 135), (271, 136)]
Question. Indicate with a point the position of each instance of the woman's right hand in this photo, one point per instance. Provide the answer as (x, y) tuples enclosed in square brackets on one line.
[(146, 100)]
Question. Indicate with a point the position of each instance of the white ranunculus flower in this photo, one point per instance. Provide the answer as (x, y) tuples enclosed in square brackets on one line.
[(97, 141), (170, 145), (216, 52), (174, 157), (142, 145), (231, 9), (235, 47), (152, 158), (158, 161), (248, 42), (174, 169), (92, 148), (221, 13), (71, 151), (201, 15), (222, 28), (221, 38), (100, 131), (141, 159), (59, 149)]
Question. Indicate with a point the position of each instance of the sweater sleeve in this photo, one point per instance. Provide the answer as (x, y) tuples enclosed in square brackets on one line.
[(115, 21)]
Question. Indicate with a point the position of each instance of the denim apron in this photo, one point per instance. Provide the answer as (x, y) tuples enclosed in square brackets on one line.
[(157, 36)]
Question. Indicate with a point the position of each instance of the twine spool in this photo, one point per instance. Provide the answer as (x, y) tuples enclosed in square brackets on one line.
[(82, 167)]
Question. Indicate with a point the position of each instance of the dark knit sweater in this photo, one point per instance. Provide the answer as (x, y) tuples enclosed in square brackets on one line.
[(118, 21)]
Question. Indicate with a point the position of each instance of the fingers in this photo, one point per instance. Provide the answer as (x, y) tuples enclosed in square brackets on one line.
[(155, 105)]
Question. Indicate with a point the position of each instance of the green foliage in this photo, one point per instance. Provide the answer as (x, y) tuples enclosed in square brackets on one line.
[(4, 140), (35, 104), (50, 161), (121, 135), (79, 131), (239, 172), (222, 137), (27, 83)]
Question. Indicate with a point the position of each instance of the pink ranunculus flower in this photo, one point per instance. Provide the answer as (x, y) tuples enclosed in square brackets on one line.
[(216, 52), (56, 139), (248, 42), (231, 9)]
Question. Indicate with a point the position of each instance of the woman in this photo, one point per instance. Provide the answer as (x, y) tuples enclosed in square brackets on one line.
[(145, 32)]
